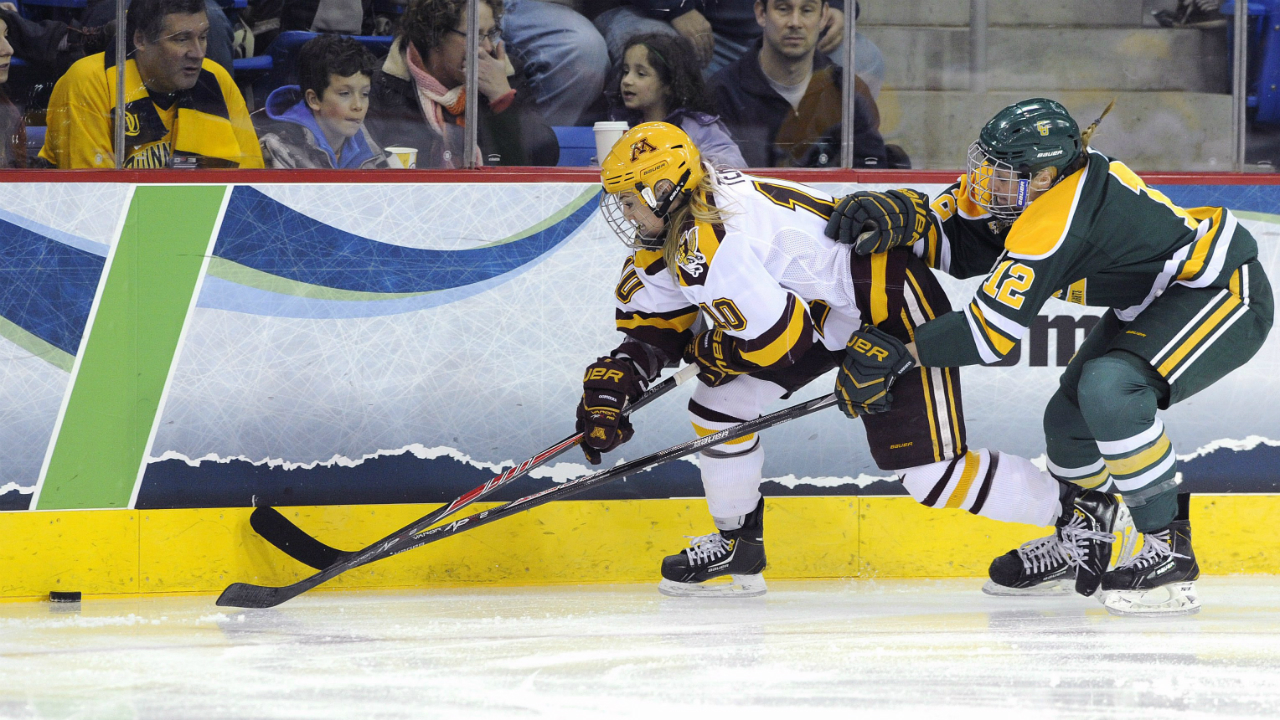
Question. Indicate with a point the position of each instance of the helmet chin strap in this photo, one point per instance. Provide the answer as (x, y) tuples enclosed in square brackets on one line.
[(663, 208)]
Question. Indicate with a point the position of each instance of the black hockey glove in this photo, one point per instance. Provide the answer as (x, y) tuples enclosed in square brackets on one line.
[(874, 359), (874, 222), (718, 357), (608, 385)]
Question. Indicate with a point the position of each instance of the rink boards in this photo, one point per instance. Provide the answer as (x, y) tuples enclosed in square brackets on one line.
[(174, 354)]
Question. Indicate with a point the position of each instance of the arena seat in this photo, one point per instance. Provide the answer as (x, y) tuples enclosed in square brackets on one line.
[(577, 145)]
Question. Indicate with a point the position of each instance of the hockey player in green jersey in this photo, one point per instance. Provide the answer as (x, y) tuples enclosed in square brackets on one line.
[(1043, 215)]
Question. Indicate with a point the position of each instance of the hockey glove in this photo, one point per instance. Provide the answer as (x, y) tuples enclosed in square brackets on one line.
[(608, 385), (874, 222), (874, 359), (718, 357)]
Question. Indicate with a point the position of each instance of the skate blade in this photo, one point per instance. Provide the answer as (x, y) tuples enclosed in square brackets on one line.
[(739, 586), (1053, 588), (1172, 599)]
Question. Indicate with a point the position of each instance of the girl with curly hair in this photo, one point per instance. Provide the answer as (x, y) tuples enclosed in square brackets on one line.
[(659, 79)]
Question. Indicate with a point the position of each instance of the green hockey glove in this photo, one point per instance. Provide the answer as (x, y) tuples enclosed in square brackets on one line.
[(874, 359)]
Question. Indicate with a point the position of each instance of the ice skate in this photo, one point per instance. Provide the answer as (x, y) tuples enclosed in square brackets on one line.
[(1036, 568), (1087, 539), (738, 554), (1042, 567), (1159, 580)]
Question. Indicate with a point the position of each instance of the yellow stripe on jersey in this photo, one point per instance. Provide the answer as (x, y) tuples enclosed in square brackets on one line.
[(1171, 363), (679, 323), (971, 462), (1130, 179), (1140, 461), (787, 339), (1203, 248), (1001, 344), (1234, 284), (703, 432), (1041, 228), (645, 258), (924, 302), (879, 294)]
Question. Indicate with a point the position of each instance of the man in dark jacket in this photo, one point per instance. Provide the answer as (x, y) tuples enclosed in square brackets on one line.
[(782, 101), (419, 94)]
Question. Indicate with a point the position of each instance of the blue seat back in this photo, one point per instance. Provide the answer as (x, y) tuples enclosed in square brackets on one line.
[(577, 145)]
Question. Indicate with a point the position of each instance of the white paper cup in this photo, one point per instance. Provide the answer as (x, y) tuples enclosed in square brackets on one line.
[(608, 133), (406, 156)]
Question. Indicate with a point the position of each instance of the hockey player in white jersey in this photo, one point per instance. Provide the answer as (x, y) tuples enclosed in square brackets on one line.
[(782, 301)]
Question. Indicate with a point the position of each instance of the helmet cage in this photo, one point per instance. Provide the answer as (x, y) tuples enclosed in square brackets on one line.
[(995, 185), (627, 230)]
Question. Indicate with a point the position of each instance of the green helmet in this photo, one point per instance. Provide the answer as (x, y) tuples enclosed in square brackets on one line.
[(1018, 142)]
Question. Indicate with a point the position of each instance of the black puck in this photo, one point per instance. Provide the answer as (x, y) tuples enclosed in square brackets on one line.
[(64, 597)]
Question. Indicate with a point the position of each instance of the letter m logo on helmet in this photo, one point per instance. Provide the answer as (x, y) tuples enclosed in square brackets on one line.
[(641, 147)]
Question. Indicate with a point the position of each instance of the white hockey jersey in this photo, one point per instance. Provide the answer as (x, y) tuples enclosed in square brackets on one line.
[(768, 275)]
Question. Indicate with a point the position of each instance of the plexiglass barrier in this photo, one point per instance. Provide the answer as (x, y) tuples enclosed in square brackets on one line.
[(369, 84)]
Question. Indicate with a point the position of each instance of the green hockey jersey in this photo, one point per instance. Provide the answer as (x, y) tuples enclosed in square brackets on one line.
[(1099, 237)]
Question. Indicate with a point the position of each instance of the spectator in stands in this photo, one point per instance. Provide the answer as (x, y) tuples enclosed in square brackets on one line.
[(722, 30), (13, 133), (319, 123), (99, 17), (659, 80), (182, 109), (50, 46), (419, 92), (560, 52), (782, 100)]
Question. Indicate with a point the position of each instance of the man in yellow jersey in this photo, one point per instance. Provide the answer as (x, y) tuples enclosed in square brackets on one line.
[(181, 109), (1042, 215)]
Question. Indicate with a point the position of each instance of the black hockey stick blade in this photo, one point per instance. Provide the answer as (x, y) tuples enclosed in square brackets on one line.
[(278, 530), (419, 533), (290, 539)]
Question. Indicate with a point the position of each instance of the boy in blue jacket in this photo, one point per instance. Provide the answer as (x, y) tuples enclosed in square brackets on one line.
[(319, 123)]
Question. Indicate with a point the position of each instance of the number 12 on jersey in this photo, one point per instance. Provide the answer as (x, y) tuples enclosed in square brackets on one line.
[(1008, 282)]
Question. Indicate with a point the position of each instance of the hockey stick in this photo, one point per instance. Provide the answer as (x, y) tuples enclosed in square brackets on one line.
[(420, 533), (278, 530)]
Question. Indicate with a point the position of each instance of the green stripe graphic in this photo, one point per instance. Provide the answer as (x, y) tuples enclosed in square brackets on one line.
[(101, 442)]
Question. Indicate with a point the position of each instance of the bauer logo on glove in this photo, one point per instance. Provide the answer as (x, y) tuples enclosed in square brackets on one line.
[(607, 386), (875, 222), (874, 359)]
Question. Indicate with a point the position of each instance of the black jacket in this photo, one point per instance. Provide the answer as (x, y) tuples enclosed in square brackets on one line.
[(515, 136), (772, 134)]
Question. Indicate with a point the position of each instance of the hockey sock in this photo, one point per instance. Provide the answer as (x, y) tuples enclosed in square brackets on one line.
[(732, 484), (995, 485), (1119, 394)]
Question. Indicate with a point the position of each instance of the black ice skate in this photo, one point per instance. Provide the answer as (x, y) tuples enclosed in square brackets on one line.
[(1158, 580), (1038, 567), (1086, 536), (737, 553), (1043, 566)]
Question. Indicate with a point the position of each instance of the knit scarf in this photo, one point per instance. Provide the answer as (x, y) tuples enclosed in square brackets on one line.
[(434, 99)]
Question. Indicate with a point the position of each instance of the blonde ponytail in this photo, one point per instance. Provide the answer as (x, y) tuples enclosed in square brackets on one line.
[(1087, 134)]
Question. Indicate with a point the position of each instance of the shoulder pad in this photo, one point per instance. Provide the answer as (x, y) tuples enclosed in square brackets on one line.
[(698, 245), (1042, 227), (650, 262)]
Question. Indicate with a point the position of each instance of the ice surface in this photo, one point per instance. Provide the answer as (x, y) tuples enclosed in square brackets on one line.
[(865, 649)]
